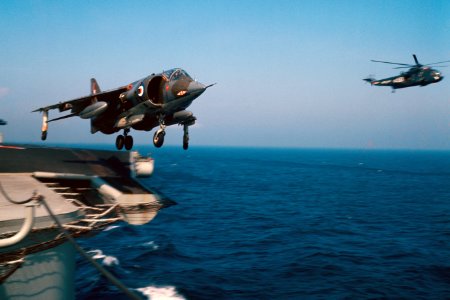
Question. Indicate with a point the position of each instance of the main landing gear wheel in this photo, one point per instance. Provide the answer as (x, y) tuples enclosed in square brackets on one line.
[(158, 138), (128, 142), (124, 140), (120, 141), (44, 135)]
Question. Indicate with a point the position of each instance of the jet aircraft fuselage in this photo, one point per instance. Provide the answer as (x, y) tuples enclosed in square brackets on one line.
[(156, 100)]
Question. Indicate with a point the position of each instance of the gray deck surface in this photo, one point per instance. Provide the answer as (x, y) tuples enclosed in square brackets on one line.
[(64, 160), (20, 187), (17, 163), (112, 166)]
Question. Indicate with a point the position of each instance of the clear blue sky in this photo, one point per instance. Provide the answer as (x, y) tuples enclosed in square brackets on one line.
[(288, 72)]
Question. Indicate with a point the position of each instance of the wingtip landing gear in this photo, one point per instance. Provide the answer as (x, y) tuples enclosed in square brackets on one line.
[(44, 125)]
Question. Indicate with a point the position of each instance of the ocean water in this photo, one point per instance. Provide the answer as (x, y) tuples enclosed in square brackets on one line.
[(284, 224)]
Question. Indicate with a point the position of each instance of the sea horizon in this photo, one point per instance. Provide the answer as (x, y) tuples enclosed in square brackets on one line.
[(111, 146)]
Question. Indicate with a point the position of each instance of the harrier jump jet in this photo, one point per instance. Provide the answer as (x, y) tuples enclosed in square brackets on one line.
[(157, 100)]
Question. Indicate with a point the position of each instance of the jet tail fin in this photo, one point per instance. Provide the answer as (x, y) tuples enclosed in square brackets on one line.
[(95, 88)]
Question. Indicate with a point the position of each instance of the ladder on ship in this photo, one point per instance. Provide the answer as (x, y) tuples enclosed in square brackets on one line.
[(95, 215)]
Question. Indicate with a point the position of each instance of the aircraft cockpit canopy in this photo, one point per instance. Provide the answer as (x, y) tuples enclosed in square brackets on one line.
[(176, 74)]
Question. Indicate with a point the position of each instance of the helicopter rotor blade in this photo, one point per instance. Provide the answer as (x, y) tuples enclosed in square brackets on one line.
[(421, 66), (440, 62), (392, 63), (415, 59)]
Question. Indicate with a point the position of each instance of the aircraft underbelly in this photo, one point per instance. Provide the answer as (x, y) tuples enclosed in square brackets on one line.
[(178, 104)]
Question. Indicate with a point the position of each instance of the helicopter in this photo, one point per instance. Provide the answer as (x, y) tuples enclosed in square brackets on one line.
[(417, 74)]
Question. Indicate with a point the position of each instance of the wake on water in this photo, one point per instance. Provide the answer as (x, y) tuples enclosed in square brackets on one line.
[(161, 293), (107, 260)]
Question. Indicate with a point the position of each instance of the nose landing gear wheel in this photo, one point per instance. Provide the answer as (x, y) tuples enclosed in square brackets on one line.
[(120, 140), (128, 142), (158, 138)]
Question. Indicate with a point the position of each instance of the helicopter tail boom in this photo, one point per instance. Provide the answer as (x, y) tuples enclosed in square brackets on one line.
[(369, 80)]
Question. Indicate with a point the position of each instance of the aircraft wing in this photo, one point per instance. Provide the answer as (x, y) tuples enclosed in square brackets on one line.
[(78, 104)]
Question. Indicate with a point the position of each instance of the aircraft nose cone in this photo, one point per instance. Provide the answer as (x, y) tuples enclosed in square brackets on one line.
[(196, 87)]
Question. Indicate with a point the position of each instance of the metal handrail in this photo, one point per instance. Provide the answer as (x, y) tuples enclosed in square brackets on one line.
[(30, 208), (25, 229)]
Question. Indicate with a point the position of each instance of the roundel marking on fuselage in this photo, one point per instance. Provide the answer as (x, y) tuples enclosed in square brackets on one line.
[(140, 90)]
